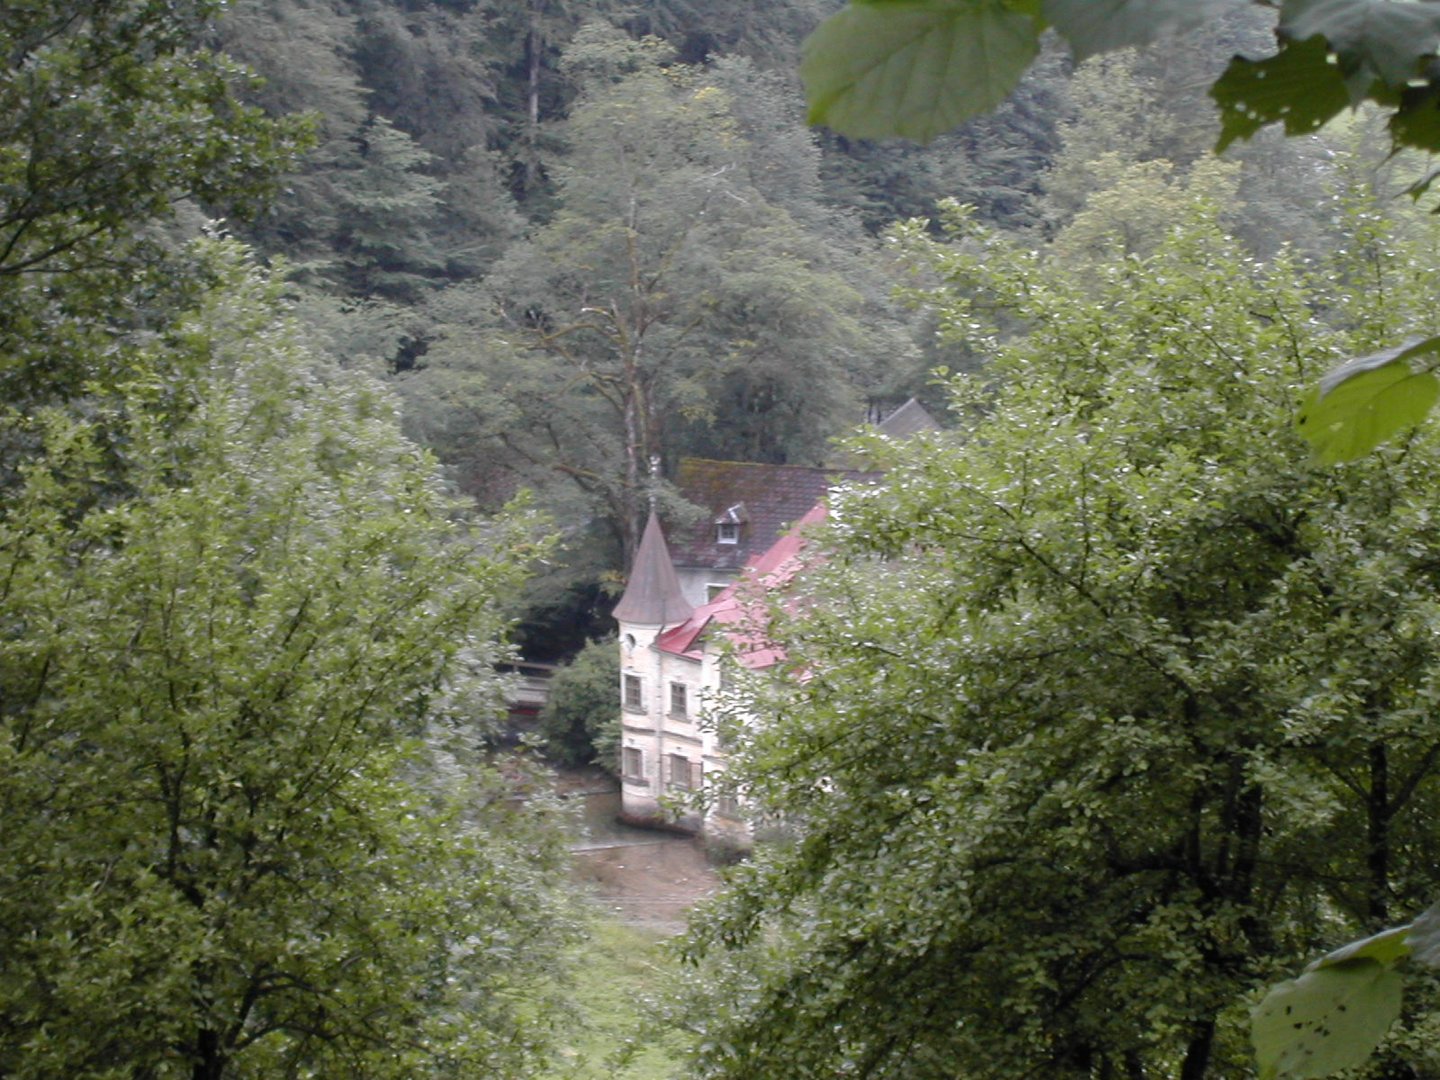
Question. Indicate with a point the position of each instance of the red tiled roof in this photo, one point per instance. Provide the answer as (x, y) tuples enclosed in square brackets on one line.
[(741, 604), (773, 497)]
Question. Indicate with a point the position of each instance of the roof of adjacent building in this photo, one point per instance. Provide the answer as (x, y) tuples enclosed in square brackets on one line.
[(762, 499), (909, 419), (652, 596), (741, 605)]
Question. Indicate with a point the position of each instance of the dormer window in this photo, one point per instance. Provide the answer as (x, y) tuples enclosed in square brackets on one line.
[(727, 524)]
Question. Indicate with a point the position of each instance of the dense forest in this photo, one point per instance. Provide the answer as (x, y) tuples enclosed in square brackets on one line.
[(344, 346), (580, 236)]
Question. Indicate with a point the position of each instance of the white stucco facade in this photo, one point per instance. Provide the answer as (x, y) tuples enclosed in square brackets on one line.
[(668, 754), (673, 658), (701, 584)]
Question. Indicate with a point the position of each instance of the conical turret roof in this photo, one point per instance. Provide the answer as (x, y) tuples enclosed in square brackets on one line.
[(653, 595)]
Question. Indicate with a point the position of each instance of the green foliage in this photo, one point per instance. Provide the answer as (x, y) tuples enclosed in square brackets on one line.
[(918, 67), (247, 828), (675, 303), (381, 209), (1133, 208), (1368, 400), (370, 212), (1113, 704), (112, 116), (581, 719)]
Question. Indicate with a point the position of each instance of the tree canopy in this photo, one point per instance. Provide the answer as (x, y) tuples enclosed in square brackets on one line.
[(232, 846), (113, 115), (247, 640), (688, 294), (1110, 704)]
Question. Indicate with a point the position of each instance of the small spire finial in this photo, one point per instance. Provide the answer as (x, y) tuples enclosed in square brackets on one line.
[(654, 479)]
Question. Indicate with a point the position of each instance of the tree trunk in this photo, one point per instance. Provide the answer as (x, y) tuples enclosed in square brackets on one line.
[(534, 49), (1197, 1054), (1377, 838), (209, 1058), (630, 487)]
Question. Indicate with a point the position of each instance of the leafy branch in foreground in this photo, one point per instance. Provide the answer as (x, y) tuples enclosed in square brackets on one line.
[(1337, 1011), (1366, 401), (916, 68)]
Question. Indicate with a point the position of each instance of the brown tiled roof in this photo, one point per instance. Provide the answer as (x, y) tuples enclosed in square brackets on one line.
[(771, 498)]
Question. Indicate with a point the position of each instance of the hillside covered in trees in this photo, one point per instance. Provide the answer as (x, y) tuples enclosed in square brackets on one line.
[(339, 338), (578, 236)]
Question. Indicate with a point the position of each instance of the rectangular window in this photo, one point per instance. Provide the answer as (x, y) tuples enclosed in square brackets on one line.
[(632, 764), (727, 532), (727, 805), (679, 700), (634, 700), (682, 774)]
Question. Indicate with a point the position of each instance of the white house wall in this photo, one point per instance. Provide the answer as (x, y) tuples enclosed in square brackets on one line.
[(719, 823), (659, 736), (699, 584)]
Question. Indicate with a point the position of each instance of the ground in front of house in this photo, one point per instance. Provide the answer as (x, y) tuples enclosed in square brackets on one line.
[(640, 884), (640, 877)]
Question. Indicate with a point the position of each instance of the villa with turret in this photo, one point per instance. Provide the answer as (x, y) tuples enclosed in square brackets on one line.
[(673, 660), (693, 609)]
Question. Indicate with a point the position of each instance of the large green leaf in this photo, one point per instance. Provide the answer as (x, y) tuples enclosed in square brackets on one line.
[(1384, 36), (1326, 1020), (1416, 122), (1388, 947), (1367, 400), (1095, 26), (916, 67), (1298, 85)]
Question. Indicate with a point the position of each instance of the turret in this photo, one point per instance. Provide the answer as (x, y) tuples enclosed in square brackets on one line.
[(652, 596), (651, 603)]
